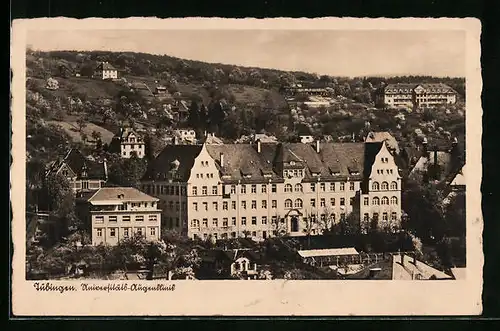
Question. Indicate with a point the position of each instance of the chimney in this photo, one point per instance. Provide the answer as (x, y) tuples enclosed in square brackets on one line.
[(317, 146), (222, 159), (259, 147)]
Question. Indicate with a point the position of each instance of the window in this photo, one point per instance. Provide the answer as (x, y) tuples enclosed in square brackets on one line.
[(351, 201), (254, 204), (243, 189), (125, 232), (243, 221), (273, 188), (274, 204), (205, 222), (298, 187), (214, 190), (274, 220), (332, 201), (385, 201), (394, 186), (153, 218), (375, 186), (215, 236), (366, 217), (342, 216), (99, 232), (152, 231), (313, 187), (215, 222), (215, 205), (112, 218), (126, 218), (298, 203), (233, 221), (204, 190), (99, 219), (253, 188), (233, 234), (384, 217), (224, 205), (366, 201), (112, 232), (195, 206), (177, 206), (342, 201), (288, 188), (195, 223), (264, 188), (342, 186), (233, 189), (264, 204), (244, 204), (375, 201), (332, 187), (264, 220), (322, 187), (351, 186), (394, 200), (171, 204), (225, 221), (393, 216), (254, 220), (313, 203), (233, 205), (385, 186), (288, 203), (254, 234), (322, 202), (205, 205)]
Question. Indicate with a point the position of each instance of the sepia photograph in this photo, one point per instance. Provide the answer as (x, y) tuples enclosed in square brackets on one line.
[(163, 156)]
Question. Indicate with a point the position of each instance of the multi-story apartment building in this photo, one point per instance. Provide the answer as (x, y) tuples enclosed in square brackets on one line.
[(83, 173), (234, 190), (415, 95), (114, 213)]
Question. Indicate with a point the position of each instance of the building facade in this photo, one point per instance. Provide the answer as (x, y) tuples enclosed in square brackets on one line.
[(417, 95), (131, 142), (84, 175), (115, 213), (263, 190), (105, 71)]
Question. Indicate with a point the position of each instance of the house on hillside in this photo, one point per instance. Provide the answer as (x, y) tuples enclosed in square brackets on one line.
[(128, 142), (436, 162), (184, 137), (105, 71), (84, 174), (415, 95), (115, 213)]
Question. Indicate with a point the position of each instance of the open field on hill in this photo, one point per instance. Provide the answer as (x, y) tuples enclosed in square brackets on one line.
[(72, 129)]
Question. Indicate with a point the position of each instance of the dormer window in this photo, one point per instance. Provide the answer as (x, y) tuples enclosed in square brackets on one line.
[(292, 163)]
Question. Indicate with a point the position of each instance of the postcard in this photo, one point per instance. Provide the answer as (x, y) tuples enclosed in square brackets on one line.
[(246, 167)]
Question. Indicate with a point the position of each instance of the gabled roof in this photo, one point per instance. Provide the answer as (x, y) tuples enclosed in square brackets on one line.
[(379, 136), (400, 87), (77, 163), (161, 167), (120, 194), (436, 88), (105, 66)]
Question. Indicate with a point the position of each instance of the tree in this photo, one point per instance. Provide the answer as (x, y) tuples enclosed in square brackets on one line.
[(81, 123), (194, 115), (350, 225), (278, 225), (127, 172), (309, 220)]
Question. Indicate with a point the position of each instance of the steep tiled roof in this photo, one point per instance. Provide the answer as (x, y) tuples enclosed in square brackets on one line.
[(162, 166), (400, 87), (105, 66), (120, 194), (241, 160), (77, 162), (437, 87)]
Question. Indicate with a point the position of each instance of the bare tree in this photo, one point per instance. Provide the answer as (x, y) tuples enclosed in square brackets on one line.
[(326, 222), (310, 224), (278, 225)]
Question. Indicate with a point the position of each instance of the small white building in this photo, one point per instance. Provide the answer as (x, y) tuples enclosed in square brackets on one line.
[(131, 142), (105, 71), (186, 135), (306, 139)]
